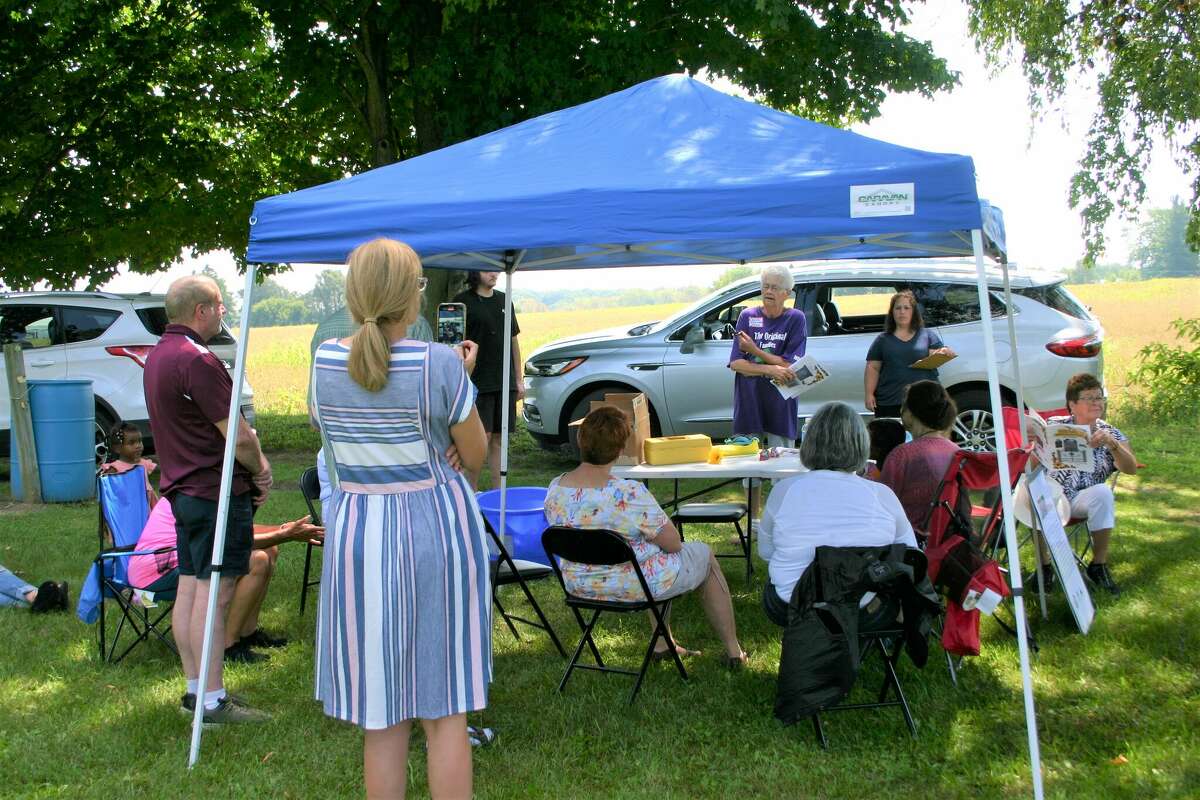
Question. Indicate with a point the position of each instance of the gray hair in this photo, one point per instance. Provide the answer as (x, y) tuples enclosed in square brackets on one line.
[(185, 294), (781, 274), (836, 439)]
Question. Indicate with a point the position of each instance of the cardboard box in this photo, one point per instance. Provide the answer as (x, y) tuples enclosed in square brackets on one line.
[(686, 449), (635, 408)]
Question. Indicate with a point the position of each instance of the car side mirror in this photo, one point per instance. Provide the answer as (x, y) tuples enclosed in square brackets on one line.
[(693, 337)]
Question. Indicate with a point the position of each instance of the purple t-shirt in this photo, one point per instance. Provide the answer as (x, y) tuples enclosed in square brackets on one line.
[(758, 407)]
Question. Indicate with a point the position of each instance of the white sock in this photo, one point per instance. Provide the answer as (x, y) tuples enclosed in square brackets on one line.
[(211, 699), (193, 685)]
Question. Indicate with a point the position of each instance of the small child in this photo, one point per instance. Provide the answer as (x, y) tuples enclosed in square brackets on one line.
[(125, 442)]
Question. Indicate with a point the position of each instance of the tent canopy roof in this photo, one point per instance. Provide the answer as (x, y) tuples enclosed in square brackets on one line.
[(667, 172)]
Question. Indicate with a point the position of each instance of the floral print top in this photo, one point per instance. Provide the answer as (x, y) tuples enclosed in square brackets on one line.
[(625, 507)]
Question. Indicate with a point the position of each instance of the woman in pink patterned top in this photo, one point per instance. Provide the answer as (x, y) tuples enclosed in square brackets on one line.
[(914, 470), (590, 497)]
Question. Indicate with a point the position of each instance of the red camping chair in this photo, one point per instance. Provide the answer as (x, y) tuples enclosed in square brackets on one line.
[(957, 534)]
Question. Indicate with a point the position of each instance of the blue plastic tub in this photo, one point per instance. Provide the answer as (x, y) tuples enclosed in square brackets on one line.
[(524, 519), (64, 425)]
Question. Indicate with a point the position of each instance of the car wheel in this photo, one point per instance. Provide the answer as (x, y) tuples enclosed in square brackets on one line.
[(103, 424), (974, 427)]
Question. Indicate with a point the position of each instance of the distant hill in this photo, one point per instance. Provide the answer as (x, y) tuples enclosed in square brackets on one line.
[(581, 299)]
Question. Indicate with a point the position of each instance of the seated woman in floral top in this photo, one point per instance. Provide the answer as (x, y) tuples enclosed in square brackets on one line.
[(589, 497)]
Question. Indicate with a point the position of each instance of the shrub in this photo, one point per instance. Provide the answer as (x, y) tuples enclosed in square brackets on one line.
[(1169, 375)]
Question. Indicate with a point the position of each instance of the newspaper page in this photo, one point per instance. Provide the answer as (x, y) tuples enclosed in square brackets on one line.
[(1061, 445), (808, 374)]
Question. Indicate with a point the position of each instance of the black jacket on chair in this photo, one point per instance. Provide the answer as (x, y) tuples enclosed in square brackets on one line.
[(821, 657)]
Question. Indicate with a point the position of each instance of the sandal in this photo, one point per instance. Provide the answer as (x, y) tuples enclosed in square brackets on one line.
[(480, 737), (663, 655), (735, 663)]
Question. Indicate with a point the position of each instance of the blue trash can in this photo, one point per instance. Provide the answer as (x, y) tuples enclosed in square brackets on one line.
[(64, 424), (524, 520)]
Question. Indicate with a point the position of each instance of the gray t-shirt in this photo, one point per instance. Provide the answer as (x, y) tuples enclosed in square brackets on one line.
[(895, 355)]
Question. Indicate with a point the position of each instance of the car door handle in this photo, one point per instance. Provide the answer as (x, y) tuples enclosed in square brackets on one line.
[(42, 363)]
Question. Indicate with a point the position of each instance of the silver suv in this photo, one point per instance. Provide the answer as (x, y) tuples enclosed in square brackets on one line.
[(97, 335), (680, 363)]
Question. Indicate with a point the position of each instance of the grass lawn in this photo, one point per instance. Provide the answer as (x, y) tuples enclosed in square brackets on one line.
[(74, 727)]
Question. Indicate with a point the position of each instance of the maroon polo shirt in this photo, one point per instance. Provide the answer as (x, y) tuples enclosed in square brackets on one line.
[(187, 391)]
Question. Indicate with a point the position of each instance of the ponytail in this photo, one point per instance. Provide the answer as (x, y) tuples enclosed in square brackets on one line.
[(381, 287)]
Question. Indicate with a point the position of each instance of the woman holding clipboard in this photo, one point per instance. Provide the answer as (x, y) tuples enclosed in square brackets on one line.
[(905, 341)]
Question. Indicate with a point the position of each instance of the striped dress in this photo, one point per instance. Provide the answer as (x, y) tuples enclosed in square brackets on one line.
[(404, 627)]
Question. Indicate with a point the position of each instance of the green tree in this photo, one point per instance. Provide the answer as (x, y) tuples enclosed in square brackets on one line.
[(733, 274), (328, 293), (1142, 55), (1161, 250), (139, 127), (279, 311)]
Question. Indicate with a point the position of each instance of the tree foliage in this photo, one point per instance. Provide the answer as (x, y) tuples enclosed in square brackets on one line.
[(1143, 56), (1161, 250), (140, 127)]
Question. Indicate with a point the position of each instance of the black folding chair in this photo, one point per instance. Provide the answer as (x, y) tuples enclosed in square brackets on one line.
[(310, 488), (507, 571), (716, 513), (605, 548)]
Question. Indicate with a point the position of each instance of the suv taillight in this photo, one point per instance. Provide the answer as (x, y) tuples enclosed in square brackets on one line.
[(137, 352), (1077, 347)]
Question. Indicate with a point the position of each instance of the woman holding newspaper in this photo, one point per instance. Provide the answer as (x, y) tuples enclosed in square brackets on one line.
[(768, 339), (905, 341)]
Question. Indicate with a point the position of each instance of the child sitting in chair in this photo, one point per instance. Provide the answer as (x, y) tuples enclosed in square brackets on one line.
[(125, 443)]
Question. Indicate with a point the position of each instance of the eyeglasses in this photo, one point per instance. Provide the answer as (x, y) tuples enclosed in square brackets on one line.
[(1094, 399), (767, 287), (422, 283)]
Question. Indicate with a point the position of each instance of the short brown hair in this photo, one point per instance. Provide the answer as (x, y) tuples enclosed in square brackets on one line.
[(929, 402), (1078, 384), (602, 435)]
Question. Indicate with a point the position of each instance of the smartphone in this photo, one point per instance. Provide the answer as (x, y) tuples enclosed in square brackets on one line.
[(451, 323)]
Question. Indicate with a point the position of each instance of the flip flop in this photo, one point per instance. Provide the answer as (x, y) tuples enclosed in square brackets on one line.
[(663, 655), (480, 737)]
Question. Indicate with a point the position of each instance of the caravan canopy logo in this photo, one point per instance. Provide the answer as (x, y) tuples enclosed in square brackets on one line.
[(883, 200)]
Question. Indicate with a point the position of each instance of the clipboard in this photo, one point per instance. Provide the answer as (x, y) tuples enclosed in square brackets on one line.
[(932, 361)]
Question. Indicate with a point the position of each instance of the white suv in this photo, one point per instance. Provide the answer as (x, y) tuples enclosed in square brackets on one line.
[(96, 335), (681, 363)]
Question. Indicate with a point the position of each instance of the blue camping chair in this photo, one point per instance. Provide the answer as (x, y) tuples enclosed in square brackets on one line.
[(123, 511)]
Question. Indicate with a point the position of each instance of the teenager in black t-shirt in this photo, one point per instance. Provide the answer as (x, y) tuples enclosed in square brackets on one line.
[(485, 327)]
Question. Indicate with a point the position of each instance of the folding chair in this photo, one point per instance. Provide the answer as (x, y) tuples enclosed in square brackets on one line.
[(952, 513), (605, 548), (716, 513), (123, 510), (310, 488), (507, 571)]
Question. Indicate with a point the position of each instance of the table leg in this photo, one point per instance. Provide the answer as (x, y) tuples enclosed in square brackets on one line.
[(749, 545)]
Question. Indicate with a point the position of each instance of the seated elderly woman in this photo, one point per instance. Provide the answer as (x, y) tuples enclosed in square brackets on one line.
[(590, 497), (914, 470), (828, 506)]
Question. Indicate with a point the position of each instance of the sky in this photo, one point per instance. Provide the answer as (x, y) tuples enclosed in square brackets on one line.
[(1023, 166)]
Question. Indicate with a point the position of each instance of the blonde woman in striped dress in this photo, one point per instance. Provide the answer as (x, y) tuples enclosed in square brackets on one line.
[(404, 627)]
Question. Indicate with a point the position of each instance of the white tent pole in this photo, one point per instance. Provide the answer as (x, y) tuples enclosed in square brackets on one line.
[(1010, 528), (504, 395), (218, 554), (1016, 361)]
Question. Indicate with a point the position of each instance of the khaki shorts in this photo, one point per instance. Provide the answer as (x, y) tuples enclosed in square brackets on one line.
[(693, 569)]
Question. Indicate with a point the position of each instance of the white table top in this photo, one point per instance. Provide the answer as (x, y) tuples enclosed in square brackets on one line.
[(733, 467)]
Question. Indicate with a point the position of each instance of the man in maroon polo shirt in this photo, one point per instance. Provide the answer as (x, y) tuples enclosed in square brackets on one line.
[(187, 393)]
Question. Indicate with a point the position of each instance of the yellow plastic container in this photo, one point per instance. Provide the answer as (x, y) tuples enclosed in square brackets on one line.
[(720, 451), (660, 450)]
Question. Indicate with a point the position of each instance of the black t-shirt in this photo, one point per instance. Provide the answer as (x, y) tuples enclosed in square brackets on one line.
[(485, 327), (895, 356)]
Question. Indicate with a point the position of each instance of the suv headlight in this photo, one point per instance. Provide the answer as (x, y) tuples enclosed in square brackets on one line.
[(550, 369)]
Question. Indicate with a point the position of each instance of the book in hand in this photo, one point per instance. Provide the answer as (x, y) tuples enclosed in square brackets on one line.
[(808, 374), (932, 361), (1061, 445)]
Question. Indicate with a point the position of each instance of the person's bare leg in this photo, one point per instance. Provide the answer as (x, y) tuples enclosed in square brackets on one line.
[(718, 606), (661, 646), (449, 759), (195, 629), (385, 762), (248, 594), (493, 458), (251, 624), (181, 624), (1100, 540)]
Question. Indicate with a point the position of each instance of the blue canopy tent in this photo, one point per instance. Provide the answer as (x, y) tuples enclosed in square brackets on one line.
[(668, 172)]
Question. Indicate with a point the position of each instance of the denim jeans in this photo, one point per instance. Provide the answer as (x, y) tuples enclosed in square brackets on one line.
[(13, 590)]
